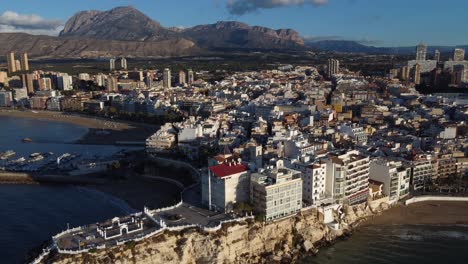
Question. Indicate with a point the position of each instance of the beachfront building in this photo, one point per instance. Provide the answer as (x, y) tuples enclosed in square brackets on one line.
[(313, 184), (422, 172), (313, 174), (276, 192), (394, 175), (6, 98), (225, 185), (347, 177)]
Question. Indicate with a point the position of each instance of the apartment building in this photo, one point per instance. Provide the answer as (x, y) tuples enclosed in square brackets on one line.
[(348, 177), (422, 172), (394, 175), (276, 192)]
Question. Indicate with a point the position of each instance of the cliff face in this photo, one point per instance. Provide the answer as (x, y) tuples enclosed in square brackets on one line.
[(248, 242)]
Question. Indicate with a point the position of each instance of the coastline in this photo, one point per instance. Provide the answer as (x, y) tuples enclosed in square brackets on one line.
[(423, 213), (115, 130)]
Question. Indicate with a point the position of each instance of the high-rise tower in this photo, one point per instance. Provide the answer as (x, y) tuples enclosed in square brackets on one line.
[(421, 52), (11, 62), (123, 63), (25, 62), (437, 55), (167, 78), (112, 64), (459, 55), (333, 67)]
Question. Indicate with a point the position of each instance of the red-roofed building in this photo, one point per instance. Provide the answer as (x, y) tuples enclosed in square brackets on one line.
[(225, 185)]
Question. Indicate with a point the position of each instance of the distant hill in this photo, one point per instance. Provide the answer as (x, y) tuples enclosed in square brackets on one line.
[(356, 47), (70, 47)]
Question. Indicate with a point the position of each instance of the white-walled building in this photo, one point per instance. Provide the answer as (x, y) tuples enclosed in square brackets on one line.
[(422, 172), (225, 185), (356, 133), (394, 175), (276, 192), (314, 184), (348, 177)]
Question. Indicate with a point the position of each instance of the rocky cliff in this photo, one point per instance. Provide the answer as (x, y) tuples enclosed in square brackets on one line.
[(248, 242)]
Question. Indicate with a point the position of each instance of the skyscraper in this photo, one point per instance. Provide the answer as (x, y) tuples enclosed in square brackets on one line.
[(421, 52), (167, 78), (18, 65), (333, 67), (25, 62), (112, 64), (27, 80), (437, 55), (182, 78), (190, 76), (123, 63), (404, 73), (459, 55), (112, 84), (417, 74), (63, 82), (11, 62)]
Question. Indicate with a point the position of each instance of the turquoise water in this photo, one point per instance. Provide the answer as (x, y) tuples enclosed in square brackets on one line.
[(399, 244)]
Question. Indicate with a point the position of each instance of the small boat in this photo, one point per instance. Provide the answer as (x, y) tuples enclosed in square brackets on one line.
[(36, 158), (26, 140), (7, 154)]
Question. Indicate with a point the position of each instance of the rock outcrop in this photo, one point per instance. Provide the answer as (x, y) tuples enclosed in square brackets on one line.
[(248, 242)]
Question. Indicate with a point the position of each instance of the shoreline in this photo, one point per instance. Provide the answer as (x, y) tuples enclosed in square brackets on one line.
[(116, 130), (439, 213)]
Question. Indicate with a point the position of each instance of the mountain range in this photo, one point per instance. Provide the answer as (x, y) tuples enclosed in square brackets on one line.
[(350, 46), (125, 31)]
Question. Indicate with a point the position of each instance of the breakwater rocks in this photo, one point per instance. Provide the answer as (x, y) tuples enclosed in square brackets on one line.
[(282, 241), (16, 178)]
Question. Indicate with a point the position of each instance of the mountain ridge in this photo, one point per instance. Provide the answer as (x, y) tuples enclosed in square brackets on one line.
[(129, 24)]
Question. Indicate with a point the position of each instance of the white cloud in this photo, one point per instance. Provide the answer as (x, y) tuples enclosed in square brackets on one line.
[(240, 7), (29, 23)]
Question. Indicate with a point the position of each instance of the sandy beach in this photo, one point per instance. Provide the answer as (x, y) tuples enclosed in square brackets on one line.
[(424, 213), (115, 131)]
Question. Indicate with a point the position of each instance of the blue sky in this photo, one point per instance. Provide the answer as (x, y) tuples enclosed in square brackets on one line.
[(375, 22)]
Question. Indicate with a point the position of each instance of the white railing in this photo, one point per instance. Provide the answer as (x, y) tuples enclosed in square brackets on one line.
[(154, 211), (218, 227), (68, 231), (44, 253)]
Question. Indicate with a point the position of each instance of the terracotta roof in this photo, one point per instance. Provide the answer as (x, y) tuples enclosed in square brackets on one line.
[(223, 170)]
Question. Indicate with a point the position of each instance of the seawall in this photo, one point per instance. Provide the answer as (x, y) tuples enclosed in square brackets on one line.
[(436, 198)]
